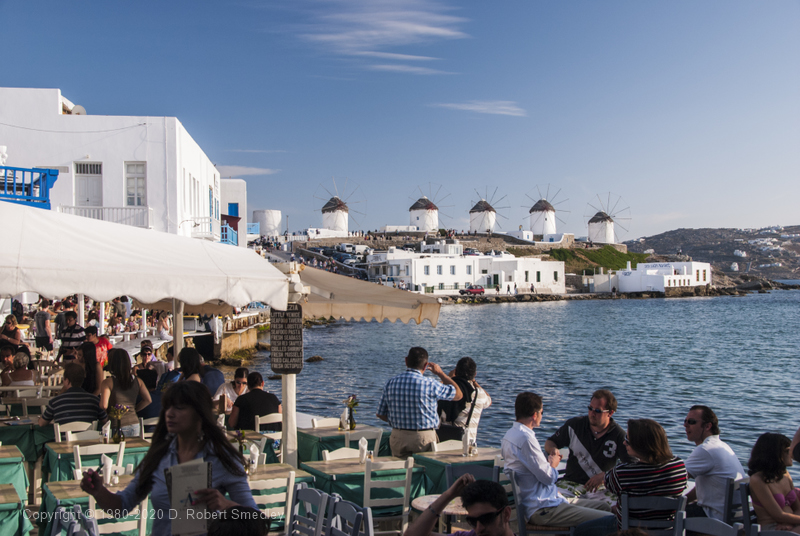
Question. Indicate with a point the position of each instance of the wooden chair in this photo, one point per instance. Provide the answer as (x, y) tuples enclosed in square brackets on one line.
[(402, 502), (76, 426), (147, 422), (750, 521), (315, 506), (285, 497), (447, 445), (274, 436), (339, 454), (350, 436), (95, 450), (349, 519), (523, 526), (704, 525), (654, 527), (10, 403), (86, 434), (732, 511), (327, 422), (41, 402), (137, 522)]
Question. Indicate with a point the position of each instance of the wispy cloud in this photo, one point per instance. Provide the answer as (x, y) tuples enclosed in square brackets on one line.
[(366, 28), (486, 107), (407, 69), (244, 171), (260, 151)]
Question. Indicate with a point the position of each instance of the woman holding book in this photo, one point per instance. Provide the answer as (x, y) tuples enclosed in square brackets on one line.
[(187, 430)]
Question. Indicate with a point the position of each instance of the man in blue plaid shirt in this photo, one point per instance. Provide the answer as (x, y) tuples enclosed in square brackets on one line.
[(409, 402)]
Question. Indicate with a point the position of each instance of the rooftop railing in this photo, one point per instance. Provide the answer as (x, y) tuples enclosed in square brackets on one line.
[(27, 186), (254, 228), (133, 216)]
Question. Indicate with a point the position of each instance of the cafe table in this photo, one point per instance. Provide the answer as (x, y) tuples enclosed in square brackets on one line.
[(453, 508), (312, 441), (346, 477), (435, 464), (67, 493), (13, 519), (59, 459), (12, 469)]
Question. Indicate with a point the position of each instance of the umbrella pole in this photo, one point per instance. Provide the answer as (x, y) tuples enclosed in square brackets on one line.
[(289, 408), (177, 326), (81, 311), (102, 328)]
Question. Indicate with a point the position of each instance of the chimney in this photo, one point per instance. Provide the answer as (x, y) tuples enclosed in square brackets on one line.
[(629, 266)]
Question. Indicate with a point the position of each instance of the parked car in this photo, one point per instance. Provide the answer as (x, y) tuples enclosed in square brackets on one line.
[(472, 289)]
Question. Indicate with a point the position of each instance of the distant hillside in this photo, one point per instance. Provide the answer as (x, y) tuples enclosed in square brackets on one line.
[(765, 249), (585, 261)]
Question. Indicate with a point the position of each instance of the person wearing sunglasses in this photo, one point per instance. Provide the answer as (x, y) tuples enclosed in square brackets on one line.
[(486, 503), (710, 464), (595, 444), (536, 473), (233, 390)]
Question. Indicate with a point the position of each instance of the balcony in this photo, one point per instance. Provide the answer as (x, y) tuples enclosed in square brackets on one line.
[(228, 235), (27, 186), (133, 216), (254, 228)]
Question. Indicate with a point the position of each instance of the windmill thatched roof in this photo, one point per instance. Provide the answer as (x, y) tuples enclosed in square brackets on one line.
[(335, 204), (542, 205), (482, 206), (423, 203), (601, 217)]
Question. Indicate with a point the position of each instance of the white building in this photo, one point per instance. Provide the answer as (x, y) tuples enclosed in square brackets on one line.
[(335, 215), (653, 276), (135, 170), (424, 215), (442, 269), (233, 200), (482, 217), (601, 228), (543, 218), (269, 222)]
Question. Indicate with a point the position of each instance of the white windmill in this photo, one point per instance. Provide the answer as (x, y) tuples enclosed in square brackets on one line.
[(424, 213), (483, 214), (337, 209), (543, 212), (605, 217)]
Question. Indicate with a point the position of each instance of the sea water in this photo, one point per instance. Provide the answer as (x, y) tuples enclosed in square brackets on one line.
[(738, 355)]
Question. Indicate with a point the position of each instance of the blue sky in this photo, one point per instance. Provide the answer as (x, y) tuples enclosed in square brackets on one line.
[(690, 111)]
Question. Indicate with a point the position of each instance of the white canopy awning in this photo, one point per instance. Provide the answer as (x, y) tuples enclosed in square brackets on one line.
[(338, 296), (57, 254)]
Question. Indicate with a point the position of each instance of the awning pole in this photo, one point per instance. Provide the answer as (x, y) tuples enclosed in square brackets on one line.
[(289, 407), (177, 326), (81, 311), (102, 328)]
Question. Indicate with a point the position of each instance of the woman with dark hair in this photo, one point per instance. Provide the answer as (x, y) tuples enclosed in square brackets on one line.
[(87, 356), (122, 389), (232, 390), (186, 430), (191, 368), (776, 501), (464, 376), (654, 471)]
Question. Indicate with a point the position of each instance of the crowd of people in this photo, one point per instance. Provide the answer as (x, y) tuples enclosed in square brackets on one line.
[(605, 460)]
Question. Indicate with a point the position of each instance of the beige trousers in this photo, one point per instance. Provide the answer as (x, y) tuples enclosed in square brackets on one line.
[(571, 514), (404, 443)]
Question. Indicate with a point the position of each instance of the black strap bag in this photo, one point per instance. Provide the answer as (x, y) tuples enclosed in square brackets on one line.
[(451, 432)]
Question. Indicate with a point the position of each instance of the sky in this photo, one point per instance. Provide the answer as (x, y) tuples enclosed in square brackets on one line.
[(678, 114)]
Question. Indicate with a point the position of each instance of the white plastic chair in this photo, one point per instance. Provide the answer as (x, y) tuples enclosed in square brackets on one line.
[(95, 450), (146, 422), (315, 503), (447, 445), (326, 422), (403, 501), (339, 454), (76, 426), (284, 497), (86, 434), (350, 436)]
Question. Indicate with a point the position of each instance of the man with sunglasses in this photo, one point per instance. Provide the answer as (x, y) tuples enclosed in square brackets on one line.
[(233, 390), (595, 443), (487, 508), (536, 473), (710, 464)]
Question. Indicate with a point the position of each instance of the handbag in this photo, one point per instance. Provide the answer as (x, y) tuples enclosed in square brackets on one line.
[(451, 432)]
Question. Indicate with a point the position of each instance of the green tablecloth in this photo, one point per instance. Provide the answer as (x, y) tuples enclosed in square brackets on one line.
[(28, 438), (351, 486), (310, 446), (58, 467), (435, 464), (13, 521), (12, 471)]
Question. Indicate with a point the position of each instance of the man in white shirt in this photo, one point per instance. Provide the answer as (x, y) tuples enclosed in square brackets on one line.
[(710, 464), (536, 473)]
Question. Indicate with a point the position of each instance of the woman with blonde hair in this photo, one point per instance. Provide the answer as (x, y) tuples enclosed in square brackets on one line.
[(10, 334)]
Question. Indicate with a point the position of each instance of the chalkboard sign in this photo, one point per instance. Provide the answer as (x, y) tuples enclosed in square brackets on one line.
[(286, 338)]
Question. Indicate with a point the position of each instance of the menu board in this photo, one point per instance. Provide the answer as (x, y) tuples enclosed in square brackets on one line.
[(286, 338)]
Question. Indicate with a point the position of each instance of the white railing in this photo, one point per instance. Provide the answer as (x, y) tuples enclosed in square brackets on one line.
[(205, 227), (134, 216)]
